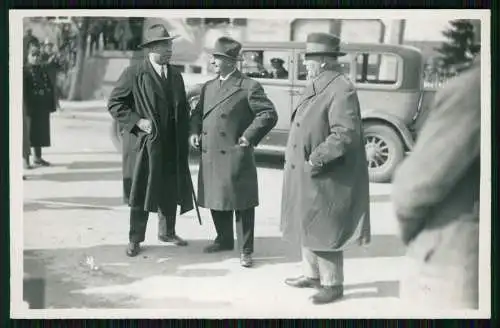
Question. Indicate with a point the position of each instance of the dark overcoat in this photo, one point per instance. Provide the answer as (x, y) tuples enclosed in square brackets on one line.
[(39, 99), (436, 196), (139, 93), (227, 179), (326, 208)]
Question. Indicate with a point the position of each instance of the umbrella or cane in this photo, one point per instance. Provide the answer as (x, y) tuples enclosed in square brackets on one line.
[(195, 201)]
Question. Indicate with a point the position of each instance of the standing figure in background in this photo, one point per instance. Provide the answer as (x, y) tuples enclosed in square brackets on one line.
[(38, 97), (436, 199), (95, 31), (108, 31), (123, 35), (28, 40), (53, 64), (326, 200)]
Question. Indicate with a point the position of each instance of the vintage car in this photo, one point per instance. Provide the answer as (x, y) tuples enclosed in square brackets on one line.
[(389, 80)]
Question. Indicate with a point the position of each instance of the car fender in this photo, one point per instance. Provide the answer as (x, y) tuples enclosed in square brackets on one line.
[(394, 122)]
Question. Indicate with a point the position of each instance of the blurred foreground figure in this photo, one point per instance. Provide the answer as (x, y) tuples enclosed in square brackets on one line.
[(325, 203), (436, 198)]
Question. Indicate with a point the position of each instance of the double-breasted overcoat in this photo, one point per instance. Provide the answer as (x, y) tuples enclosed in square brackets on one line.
[(326, 207), (239, 107), (140, 93)]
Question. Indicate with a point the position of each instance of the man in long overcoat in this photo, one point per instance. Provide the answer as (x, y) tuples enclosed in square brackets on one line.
[(325, 203), (436, 198), (231, 118), (149, 102)]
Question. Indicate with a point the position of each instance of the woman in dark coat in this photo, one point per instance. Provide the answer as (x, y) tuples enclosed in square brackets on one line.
[(39, 100)]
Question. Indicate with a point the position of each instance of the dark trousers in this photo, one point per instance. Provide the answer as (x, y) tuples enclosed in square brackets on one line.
[(245, 223), (139, 221)]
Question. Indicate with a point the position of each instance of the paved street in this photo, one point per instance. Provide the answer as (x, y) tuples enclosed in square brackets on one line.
[(76, 227)]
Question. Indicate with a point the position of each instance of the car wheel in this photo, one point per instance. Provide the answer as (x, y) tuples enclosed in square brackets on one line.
[(384, 151), (116, 136)]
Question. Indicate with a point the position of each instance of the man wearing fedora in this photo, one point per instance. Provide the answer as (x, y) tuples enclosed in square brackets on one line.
[(325, 202), (149, 102), (231, 118), (278, 71)]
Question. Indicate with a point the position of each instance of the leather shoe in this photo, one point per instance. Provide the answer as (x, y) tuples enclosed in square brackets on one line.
[(217, 247), (303, 282), (41, 162), (246, 260), (133, 249), (176, 240), (328, 294)]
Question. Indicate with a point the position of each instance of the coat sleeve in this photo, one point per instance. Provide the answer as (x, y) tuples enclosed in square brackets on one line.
[(345, 123), (121, 102), (196, 120), (265, 113), (448, 144)]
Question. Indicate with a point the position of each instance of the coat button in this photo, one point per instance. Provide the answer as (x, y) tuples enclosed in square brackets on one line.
[(205, 133), (223, 115), (292, 166), (298, 124), (294, 146), (204, 150), (222, 151), (223, 133)]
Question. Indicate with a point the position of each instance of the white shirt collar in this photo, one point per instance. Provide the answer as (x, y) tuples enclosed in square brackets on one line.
[(227, 76), (157, 67)]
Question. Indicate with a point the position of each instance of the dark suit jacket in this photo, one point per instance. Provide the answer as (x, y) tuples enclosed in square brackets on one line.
[(138, 94)]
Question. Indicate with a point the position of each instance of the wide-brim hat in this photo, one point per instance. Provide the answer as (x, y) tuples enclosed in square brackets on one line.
[(323, 44), (156, 33), (227, 47)]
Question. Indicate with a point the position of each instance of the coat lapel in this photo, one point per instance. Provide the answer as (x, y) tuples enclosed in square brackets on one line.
[(317, 86), (157, 84), (229, 87)]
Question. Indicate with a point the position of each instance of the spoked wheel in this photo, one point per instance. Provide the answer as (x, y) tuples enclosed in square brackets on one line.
[(384, 151)]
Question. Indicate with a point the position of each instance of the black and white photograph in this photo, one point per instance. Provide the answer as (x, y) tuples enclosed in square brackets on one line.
[(250, 163)]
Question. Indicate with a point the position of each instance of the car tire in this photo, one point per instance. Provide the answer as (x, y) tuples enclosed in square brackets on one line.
[(116, 136), (384, 151)]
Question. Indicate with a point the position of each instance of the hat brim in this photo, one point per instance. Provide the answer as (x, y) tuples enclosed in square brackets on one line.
[(146, 44), (216, 53), (326, 53)]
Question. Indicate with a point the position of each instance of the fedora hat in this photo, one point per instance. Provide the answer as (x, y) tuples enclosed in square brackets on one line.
[(227, 47), (156, 33), (323, 44)]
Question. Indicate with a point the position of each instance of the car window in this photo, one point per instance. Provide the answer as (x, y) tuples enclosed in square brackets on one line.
[(266, 64), (377, 68), (344, 66)]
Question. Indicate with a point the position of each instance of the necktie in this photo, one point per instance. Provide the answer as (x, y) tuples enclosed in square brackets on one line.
[(163, 76)]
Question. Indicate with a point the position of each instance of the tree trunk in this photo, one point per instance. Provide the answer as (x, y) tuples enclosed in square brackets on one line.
[(77, 74)]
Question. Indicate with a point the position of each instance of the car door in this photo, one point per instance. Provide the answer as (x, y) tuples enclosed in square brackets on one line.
[(275, 78)]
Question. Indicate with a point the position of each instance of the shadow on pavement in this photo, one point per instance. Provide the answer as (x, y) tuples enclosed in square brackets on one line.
[(72, 203), (82, 165), (382, 289), (79, 176)]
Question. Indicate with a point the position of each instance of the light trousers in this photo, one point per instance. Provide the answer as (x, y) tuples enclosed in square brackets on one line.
[(328, 267)]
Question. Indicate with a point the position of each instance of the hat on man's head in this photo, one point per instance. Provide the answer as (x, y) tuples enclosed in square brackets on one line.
[(156, 33), (227, 47), (323, 44), (277, 61)]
